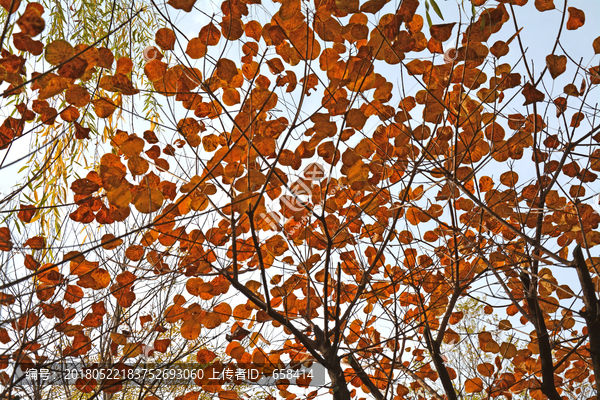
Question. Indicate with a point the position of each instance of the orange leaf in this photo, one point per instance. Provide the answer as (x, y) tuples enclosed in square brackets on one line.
[(37, 242), (205, 356), (103, 107), (105, 58), (110, 242), (231, 97), (223, 310), (544, 5), (148, 200), (124, 65), (474, 385), (195, 48), (70, 114), (161, 345), (190, 329), (226, 69), (185, 5), (576, 18), (209, 35), (155, 70), (102, 278), (58, 52), (211, 320), (509, 178), (73, 294), (165, 39), (228, 395), (356, 119), (77, 95)]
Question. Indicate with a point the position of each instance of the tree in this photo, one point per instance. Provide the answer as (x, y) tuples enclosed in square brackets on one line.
[(321, 182)]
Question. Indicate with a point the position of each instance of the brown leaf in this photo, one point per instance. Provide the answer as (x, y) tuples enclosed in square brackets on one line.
[(561, 105), (486, 369), (532, 95), (238, 334), (11, 6), (73, 69), (77, 95), (442, 32), (84, 186), (347, 6), (544, 5), (356, 119), (81, 132), (103, 107), (185, 5), (596, 45), (226, 69), (373, 6), (5, 243), (232, 28), (576, 119), (58, 52), (69, 114), (73, 294), (105, 58), (165, 39), (556, 65), (148, 200), (36, 243), (26, 213), (576, 18), (209, 35), (31, 22), (205, 356), (110, 242), (571, 90)]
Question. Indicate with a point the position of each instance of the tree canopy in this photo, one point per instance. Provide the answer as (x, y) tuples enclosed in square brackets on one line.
[(403, 193)]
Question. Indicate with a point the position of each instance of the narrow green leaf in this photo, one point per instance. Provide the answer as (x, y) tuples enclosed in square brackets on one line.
[(437, 9)]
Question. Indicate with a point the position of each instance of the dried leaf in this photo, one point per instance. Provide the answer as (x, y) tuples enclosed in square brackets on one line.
[(532, 95), (556, 65), (185, 5), (165, 39), (441, 33), (58, 52), (576, 18)]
